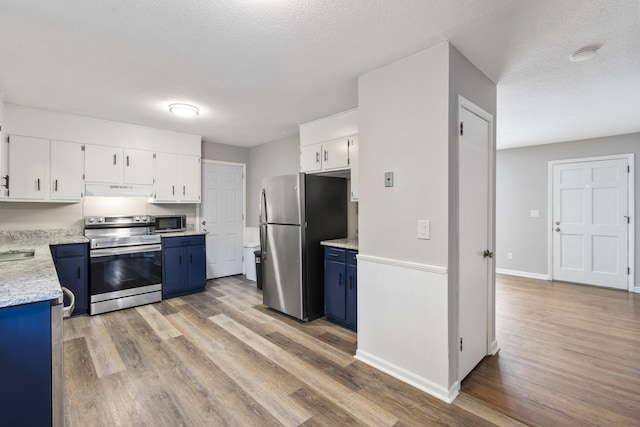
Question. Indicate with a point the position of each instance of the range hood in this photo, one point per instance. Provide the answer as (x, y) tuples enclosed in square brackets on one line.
[(118, 190)]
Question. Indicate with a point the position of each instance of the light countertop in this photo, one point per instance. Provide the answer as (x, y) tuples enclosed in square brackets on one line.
[(348, 243), (35, 279)]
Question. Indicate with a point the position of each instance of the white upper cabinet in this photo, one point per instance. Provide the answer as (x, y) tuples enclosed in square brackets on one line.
[(43, 170), (311, 158), (355, 168), (28, 167), (66, 171), (103, 164), (335, 154), (115, 165), (177, 178), (138, 167)]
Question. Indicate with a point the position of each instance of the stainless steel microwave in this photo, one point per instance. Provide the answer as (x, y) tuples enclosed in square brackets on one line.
[(170, 223)]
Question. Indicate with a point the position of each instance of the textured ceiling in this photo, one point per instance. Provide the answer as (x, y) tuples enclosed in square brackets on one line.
[(257, 68)]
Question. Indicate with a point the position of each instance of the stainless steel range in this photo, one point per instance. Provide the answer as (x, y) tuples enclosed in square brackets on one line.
[(126, 262)]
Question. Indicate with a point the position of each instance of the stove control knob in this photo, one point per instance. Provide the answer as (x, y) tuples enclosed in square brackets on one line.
[(100, 219), (91, 219), (137, 218), (144, 219)]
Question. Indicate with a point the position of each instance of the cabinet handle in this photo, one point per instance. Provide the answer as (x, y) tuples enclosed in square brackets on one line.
[(326, 156), (127, 161), (333, 255), (180, 259), (191, 258), (55, 185), (340, 280), (173, 190), (317, 157), (38, 184), (114, 159), (350, 282), (184, 189), (78, 273)]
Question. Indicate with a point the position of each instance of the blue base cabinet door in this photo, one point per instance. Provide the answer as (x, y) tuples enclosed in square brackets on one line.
[(72, 265), (25, 360), (183, 265), (340, 286)]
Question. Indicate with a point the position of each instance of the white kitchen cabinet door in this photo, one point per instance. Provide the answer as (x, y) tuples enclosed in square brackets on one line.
[(355, 168), (28, 166), (102, 164), (189, 175), (335, 154), (66, 171), (311, 158), (138, 167), (166, 178)]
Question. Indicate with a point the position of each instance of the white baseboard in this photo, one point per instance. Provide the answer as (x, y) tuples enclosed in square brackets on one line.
[(636, 289), (494, 348), (522, 274), (435, 390)]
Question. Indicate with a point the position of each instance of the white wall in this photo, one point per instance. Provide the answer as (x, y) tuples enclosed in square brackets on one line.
[(68, 127), (522, 186), (402, 281), (224, 152)]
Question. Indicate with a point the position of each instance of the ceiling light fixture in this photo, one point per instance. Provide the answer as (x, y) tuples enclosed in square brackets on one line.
[(184, 110), (583, 54)]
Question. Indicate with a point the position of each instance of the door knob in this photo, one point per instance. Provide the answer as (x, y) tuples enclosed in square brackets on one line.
[(487, 254), (557, 222), (204, 222), (557, 228)]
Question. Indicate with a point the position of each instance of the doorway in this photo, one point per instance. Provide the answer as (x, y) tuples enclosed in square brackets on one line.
[(222, 216), (476, 269), (591, 210)]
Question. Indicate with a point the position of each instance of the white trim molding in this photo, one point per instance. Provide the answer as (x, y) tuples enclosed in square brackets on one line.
[(421, 383), (523, 274), (403, 264)]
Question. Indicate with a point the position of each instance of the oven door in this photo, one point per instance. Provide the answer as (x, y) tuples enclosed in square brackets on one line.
[(117, 272)]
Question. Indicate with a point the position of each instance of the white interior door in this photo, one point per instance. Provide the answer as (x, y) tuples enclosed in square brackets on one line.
[(474, 229), (221, 214), (590, 208)]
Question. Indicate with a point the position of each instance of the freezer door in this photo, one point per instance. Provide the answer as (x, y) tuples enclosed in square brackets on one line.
[(282, 269), (280, 200)]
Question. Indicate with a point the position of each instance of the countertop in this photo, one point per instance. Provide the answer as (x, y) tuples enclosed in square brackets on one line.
[(348, 243), (35, 279)]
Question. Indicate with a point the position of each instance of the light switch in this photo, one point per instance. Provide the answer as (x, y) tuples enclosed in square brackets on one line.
[(535, 213), (423, 229)]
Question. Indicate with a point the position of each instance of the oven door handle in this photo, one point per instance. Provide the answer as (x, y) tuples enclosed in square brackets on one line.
[(93, 253)]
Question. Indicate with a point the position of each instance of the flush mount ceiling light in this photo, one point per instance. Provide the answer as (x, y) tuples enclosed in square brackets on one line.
[(184, 110), (583, 54)]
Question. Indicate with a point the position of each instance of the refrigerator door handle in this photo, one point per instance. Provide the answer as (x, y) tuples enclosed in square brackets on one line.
[(263, 241), (263, 206)]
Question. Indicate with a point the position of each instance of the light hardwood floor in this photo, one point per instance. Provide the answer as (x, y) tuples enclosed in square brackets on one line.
[(221, 358)]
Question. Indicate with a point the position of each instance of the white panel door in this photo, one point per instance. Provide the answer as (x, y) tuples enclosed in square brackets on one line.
[(590, 204), (474, 150), (221, 212), (66, 171)]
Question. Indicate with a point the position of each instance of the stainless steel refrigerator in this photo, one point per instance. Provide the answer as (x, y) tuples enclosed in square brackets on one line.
[(296, 213)]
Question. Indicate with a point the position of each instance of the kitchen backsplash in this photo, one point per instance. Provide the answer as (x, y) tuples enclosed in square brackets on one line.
[(37, 216)]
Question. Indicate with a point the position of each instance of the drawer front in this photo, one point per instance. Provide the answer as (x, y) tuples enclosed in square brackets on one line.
[(69, 250), (334, 254), (175, 242), (352, 257)]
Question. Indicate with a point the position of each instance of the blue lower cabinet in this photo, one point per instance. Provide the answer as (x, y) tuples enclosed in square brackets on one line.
[(25, 358), (72, 266), (183, 265), (340, 286)]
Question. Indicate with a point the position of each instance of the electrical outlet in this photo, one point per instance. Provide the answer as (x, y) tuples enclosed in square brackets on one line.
[(509, 255)]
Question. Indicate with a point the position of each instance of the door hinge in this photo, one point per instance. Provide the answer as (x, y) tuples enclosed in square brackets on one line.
[(628, 169), (460, 344), (461, 128), (82, 176), (82, 147)]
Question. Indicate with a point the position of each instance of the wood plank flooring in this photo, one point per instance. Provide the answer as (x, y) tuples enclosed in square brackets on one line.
[(222, 358), (569, 355)]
